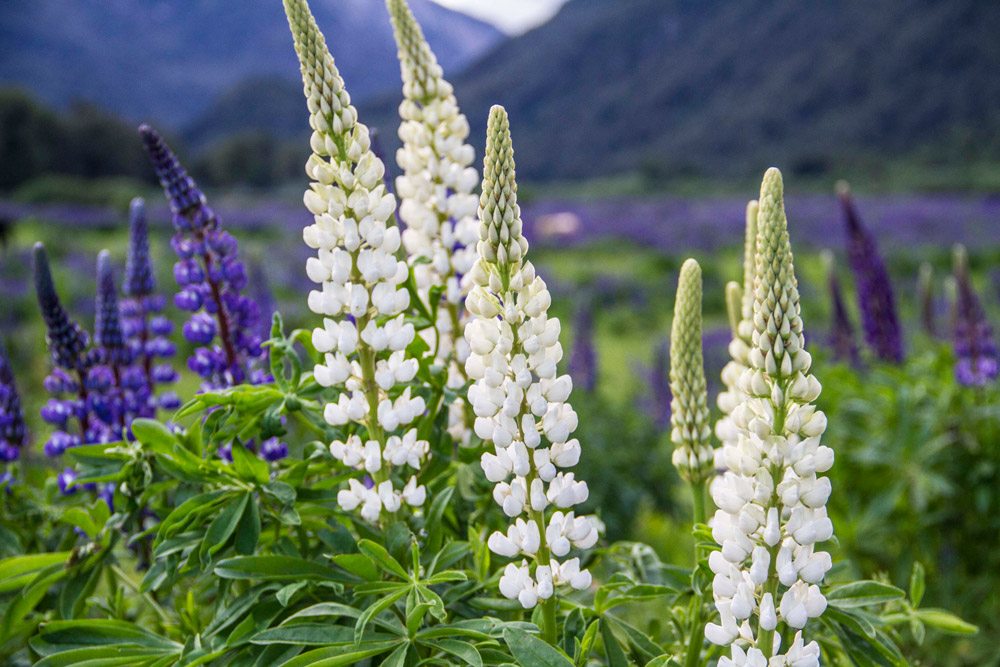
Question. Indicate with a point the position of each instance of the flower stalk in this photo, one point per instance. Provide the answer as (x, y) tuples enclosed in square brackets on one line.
[(520, 402)]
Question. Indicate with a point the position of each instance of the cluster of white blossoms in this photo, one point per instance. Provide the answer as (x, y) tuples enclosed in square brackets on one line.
[(362, 295), (739, 301), (437, 200), (517, 397), (771, 503)]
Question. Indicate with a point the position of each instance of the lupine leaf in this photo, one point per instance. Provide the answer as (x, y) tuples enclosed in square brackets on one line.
[(530, 650), (17, 571), (378, 555), (863, 594), (274, 568)]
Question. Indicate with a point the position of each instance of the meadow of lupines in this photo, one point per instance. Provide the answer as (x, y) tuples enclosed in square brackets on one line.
[(411, 478)]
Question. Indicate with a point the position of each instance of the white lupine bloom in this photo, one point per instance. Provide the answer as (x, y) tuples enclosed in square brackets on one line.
[(360, 292), (771, 503), (739, 346), (437, 200), (518, 399)]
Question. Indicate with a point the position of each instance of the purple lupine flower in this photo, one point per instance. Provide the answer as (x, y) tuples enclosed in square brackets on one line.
[(67, 481), (659, 384), (72, 362), (583, 356), (13, 431), (925, 300), (977, 362), (146, 328), (210, 277), (841, 337), (875, 296), (272, 450), (67, 340)]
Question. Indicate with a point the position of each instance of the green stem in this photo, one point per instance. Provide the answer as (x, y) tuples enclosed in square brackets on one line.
[(696, 638), (698, 502)]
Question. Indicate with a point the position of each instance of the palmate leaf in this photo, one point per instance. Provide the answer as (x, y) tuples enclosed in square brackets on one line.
[(18, 571), (339, 656), (100, 642), (863, 594), (530, 650), (277, 568), (314, 634)]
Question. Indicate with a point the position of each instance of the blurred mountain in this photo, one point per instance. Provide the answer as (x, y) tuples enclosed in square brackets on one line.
[(713, 87), (167, 60)]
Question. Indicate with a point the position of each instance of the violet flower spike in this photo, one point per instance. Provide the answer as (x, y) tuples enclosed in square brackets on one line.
[(659, 384), (977, 361), (146, 329), (210, 276), (583, 356), (876, 301), (842, 339), (68, 345), (13, 431)]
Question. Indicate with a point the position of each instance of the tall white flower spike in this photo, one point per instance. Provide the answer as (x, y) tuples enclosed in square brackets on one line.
[(771, 502), (519, 401), (361, 295), (739, 303), (437, 200)]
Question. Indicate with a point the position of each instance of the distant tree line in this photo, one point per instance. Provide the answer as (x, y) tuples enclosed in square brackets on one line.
[(89, 142)]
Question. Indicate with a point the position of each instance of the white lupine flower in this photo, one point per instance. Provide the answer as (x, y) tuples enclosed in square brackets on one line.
[(740, 302), (361, 291), (771, 504), (518, 399), (436, 189)]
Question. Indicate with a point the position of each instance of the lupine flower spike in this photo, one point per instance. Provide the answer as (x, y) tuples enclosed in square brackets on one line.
[(519, 401), (876, 300), (659, 384), (71, 364), (146, 329), (437, 200), (842, 340), (583, 356), (734, 306), (691, 430), (210, 277), (13, 431), (112, 354), (361, 297), (772, 504), (86, 402), (739, 346), (977, 362), (925, 299)]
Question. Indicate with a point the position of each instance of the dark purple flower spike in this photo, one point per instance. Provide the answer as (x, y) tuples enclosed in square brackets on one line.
[(977, 362), (13, 431), (210, 277), (876, 301), (842, 338), (583, 356)]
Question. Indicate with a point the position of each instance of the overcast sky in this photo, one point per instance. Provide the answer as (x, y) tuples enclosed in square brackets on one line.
[(511, 16)]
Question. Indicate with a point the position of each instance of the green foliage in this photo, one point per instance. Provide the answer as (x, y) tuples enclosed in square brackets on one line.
[(919, 455)]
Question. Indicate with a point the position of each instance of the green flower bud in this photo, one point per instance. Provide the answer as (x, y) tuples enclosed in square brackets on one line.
[(778, 347), (734, 306), (501, 242), (749, 263), (420, 69), (689, 416)]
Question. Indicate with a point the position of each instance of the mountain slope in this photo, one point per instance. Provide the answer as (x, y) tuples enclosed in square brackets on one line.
[(168, 59), (716, 87)]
